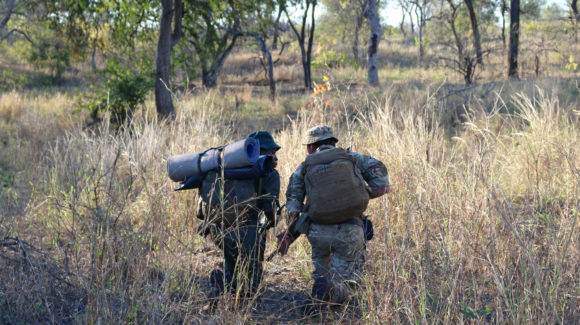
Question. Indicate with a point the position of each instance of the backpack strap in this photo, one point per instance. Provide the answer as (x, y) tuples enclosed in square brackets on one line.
[(203, 175), (260, 183)]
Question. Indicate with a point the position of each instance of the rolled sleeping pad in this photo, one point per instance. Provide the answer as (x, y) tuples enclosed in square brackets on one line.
[(239, 154), (262, 167)]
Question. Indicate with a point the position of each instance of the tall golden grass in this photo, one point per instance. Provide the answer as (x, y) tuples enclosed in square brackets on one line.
[(481, 225)]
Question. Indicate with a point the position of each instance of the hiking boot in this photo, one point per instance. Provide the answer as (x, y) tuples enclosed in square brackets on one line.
[(311, 308), (216, 278), (355, 307)]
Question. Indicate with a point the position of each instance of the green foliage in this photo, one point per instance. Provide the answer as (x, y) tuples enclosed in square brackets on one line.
[(471, 313), (46, 51), (211, 26), (425, 40), (571, 65), (552, 12), (123, 92), (337, 23), (389, 31), (11, 80), (54, 56), (332, 59), (531, 9)]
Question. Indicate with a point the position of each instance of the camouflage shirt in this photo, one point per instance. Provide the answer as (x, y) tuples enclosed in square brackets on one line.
[(373, 171)]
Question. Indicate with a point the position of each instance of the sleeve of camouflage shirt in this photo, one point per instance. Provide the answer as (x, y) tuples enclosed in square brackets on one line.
[(373, 171), (268, 201), (296, 191)]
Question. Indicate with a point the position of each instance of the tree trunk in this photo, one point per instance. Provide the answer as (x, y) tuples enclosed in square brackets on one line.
[(305, 65), (357, 27), (209, 75), (276, 29), (574, 6), (270, 66), (171, 12), (420, 38), (308, 66), (374, 21), (402, 25), (163, 100), (301, 36), (475, 29), (514, 39), (7, 11), (503, 11), (456, 37), (412, 25), (93, 58), (307, 75)]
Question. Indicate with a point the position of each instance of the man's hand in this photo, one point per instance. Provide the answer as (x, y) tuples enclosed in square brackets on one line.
[(293, 216), (285, 239)]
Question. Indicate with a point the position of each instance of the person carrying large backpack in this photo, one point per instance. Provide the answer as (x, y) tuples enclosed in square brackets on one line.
[(337, 185), (233, 209)]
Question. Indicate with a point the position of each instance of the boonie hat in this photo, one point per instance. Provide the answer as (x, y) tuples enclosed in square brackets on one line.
[(266, 140), (319, 133)]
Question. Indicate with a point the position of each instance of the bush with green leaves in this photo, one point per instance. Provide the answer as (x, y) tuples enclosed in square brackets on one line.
[(122, 93), (332, 59), (45, 50)]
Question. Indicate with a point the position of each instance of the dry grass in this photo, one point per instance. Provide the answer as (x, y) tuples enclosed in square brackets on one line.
[(481, 226)]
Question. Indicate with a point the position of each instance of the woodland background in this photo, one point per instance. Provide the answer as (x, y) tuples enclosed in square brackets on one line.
[(472, 105)]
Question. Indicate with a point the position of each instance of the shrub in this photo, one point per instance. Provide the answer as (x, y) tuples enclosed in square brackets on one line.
[(332, 59), (122, 93)]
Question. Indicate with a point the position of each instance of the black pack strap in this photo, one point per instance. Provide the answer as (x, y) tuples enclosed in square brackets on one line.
[(260, 186), (220, 152), (202, 174), (353, 221)]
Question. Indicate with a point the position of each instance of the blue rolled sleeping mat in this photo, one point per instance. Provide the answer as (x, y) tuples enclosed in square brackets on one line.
[(240, 154), (264, 165)]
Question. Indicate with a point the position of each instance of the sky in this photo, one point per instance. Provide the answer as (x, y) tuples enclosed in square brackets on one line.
[(392, 14)]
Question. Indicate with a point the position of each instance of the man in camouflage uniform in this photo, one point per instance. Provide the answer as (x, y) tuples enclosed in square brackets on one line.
[(243, 243), (336, 248)]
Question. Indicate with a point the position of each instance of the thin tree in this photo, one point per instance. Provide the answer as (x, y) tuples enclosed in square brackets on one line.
[(267, 54), (360, 10), (574, 6), (305, 49), (8, 9), (402, 24), (423, 14), (407, 8), (349, 15), (503, 10), (372, 68), (171, 13), (276, 28), (514, 39), (205, 29), (475, 30), (465, 63)]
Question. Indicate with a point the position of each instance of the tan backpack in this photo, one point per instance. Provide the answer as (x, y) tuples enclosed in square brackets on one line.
[(335, 189)]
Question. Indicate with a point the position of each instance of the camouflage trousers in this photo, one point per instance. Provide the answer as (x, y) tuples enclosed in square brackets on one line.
[(337, 254), (243, 249)]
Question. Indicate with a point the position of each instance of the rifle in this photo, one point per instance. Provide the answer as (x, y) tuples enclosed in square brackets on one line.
[(271, 256), (270, 223), (283, 234)]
